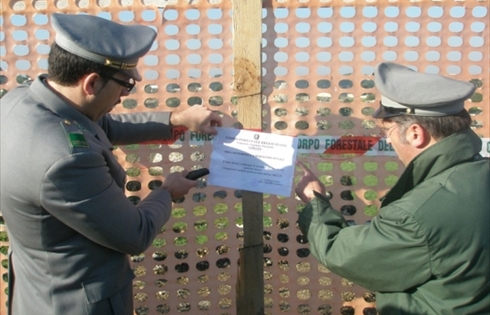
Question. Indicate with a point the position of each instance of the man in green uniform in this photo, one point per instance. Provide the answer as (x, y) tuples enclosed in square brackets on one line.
[(428, 250)]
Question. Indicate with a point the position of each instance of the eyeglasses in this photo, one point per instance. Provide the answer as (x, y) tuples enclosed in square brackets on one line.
[(129, 85), (386, 132)]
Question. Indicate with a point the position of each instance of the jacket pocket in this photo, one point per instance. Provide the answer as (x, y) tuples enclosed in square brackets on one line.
[(107, 285)]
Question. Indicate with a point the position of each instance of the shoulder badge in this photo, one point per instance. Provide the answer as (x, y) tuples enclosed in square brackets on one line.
[(74, 134)]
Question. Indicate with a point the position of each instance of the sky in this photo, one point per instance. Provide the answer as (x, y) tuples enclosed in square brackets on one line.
[(348, 13)]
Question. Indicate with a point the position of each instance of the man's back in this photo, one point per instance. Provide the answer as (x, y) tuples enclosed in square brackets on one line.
[(452, 212)]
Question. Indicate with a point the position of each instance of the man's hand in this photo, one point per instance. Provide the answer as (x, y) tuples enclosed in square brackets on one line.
[(177, 185), (197, 118), (308, 184)]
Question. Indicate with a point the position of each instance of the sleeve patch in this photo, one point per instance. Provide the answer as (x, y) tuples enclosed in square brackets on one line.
[(74, 134), (77, 140)]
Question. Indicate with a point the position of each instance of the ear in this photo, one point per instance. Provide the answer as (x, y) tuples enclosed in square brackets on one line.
[(418, 136), (92, 83)]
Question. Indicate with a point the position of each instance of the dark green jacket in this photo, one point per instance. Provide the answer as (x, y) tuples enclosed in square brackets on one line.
[(428, 250)]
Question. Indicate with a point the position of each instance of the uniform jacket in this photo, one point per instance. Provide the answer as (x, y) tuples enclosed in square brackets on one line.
[(70, 225), (428, 250)]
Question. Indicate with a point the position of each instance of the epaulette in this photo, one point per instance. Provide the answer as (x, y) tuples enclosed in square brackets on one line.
[(74, 134)]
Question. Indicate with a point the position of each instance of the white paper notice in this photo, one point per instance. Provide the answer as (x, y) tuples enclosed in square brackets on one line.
[(253, 161)]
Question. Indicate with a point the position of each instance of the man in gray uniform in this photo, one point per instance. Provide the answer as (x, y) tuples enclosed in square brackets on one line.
[(428, 250), (70, 225)]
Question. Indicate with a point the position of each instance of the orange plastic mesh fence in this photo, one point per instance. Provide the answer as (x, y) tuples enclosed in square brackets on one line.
[(317, 63)]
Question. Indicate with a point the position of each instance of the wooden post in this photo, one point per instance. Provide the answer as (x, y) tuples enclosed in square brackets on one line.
[(247, 39)]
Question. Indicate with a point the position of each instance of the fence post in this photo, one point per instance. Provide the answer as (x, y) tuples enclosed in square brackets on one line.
[(247, 39)]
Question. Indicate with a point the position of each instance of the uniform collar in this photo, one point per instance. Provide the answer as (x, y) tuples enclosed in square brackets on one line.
[(446, 153), (59, 106)]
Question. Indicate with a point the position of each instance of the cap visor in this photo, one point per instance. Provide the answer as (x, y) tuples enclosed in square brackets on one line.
[(133, 73), (382, 113)]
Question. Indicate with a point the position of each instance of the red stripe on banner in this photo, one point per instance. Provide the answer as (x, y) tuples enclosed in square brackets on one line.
[(351, 144), (177, 132)]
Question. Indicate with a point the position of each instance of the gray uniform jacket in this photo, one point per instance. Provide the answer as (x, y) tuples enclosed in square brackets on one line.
[(428, 250), (70, 225)]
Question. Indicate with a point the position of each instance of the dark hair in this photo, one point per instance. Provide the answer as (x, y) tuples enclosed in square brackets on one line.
[(67, 69), (439, 127)]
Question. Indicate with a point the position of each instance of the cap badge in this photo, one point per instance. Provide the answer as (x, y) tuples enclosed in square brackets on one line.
[(119, 65)]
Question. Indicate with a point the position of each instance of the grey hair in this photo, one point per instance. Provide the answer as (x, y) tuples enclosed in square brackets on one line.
[(438, 127)]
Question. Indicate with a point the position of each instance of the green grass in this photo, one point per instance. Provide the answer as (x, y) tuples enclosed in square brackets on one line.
[(300, 207), (133, 172), (179, 227), (391, 180), (201, 239), (282, 208), (370, 166), (348, 166), (370, 180), (221, 223), (180, 241), (370, 195), (327, 180), (132, 158), (391, 166), (371, 210), (220, 208), (201, 225), (4, 236), (155, 171), (221, 236), (266, 207), (159, 242), (325, 166), (178, 213), (199, 211), (267, 221), (239, 222), (132, 147)]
